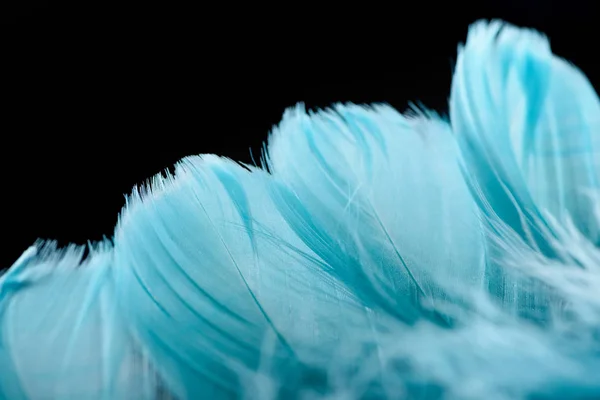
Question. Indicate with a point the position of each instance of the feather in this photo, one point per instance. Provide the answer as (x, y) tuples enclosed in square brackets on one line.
[(348, 175), (543, 144), (62, 335), (216, 271), (374, 255), (527, 124)]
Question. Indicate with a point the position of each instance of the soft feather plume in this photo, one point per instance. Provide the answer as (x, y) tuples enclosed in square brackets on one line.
[(381, 256)]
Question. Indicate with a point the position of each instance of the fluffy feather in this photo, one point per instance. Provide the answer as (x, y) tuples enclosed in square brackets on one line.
[(382, 256)]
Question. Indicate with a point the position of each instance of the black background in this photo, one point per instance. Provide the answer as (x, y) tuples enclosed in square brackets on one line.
[(96, 98)]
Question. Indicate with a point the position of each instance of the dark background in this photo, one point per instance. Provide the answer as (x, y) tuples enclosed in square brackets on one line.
[(97, 98)]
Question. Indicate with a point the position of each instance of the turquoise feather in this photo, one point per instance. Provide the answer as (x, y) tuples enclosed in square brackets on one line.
[(375, 255)]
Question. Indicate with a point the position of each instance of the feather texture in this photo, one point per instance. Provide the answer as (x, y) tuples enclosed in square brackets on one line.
[(382, 255)]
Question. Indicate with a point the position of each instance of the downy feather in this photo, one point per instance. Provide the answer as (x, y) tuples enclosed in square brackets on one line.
[(381, 255)]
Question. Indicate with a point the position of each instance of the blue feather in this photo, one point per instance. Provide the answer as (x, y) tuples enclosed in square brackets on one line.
[(527, 124), (383, 255), (355, 180)]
